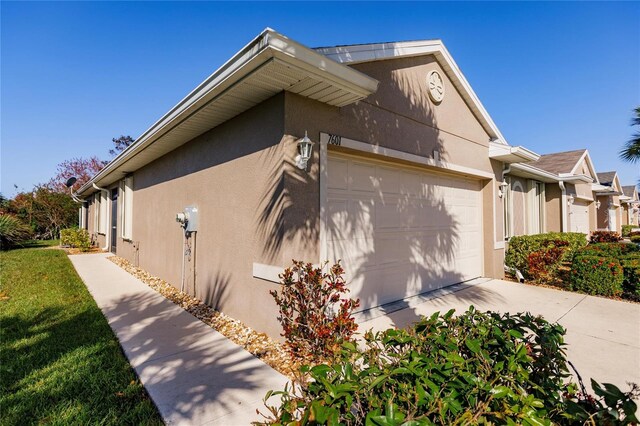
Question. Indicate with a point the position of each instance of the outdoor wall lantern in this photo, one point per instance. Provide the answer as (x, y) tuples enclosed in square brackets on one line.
[(598, 204), (570, 199), (305, 147), (503, 187)]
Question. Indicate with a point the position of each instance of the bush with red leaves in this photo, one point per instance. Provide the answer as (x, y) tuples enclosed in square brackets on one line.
[(315, 317), (605, 237)]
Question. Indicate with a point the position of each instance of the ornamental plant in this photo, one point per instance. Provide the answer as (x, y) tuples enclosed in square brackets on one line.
[(543, 264), (597, 275), (315, 316), (605, 237), (475, 368), (522, 246), (75, 237)]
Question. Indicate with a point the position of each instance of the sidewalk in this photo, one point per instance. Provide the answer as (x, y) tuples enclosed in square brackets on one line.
[(194, 375)]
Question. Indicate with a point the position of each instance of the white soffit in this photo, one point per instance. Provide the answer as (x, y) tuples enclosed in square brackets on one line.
[(269, 64), (355, 54), (527, 171), (511, 154)]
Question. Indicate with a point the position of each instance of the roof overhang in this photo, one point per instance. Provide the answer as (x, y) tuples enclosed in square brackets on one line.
[(511, 154), (269, 64), (587, 159), (603, 190), (530, 172), (571, 178), (355, 54)]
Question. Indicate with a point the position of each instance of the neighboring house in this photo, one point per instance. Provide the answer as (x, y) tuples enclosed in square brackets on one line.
[(608, 192), (552, 194), (403, 185), (630, 205)]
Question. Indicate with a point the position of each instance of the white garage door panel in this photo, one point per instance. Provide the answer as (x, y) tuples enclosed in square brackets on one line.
[(580, 217), (401, 232)]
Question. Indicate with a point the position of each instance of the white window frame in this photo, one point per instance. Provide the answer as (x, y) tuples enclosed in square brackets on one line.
[(103, 216), (126, 208), (508, 208), (96, 212)]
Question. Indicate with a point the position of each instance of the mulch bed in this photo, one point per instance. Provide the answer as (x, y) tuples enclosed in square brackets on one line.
[(260, 345)]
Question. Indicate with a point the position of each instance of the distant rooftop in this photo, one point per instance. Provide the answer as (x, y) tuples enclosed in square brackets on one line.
[(606, 178), (628, 190), (559, 162)]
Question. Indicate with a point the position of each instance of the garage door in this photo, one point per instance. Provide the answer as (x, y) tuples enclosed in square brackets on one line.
[(580, 217), (401, 231)]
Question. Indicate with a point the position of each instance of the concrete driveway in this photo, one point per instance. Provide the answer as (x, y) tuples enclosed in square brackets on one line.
[(603, 335)]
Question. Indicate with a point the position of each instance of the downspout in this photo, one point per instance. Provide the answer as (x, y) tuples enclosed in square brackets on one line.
[(106, 236), (563, 207)]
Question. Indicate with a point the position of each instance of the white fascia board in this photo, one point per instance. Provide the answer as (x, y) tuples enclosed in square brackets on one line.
[(268, 44), (511, 154), (544, 175), (380, 51), (571, 178)]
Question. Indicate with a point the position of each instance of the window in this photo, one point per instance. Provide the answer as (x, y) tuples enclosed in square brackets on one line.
[(102, 215), (126, 212), (96, 212)]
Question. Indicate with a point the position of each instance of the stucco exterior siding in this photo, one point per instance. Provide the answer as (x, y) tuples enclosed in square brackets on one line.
[(401, 116), (230, 174)]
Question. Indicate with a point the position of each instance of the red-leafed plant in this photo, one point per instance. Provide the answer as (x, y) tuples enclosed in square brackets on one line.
[(315, 316), (543, 264), (605, 237)]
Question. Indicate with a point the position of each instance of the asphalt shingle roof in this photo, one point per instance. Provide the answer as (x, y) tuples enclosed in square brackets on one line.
[(628, 190), (606, 178), (559, 162)]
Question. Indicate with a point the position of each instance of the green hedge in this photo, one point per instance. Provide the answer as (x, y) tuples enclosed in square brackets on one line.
[(521, 247), (631, 271), (75, 237), (626, 229), (476, 368), (597, 275), (607, 250)]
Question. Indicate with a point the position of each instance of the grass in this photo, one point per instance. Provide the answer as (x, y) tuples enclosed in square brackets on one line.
[(60, 363)]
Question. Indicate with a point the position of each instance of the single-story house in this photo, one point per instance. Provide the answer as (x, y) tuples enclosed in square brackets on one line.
[(551, 194), (608, 192), (630, 205), (404, 183)]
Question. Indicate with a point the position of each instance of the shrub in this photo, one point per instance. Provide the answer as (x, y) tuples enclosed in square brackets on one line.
[(521, 247), (631, 272), (542, 264), (477, 368), (597, 275), (607, 249), (635, 239), (74, 237), (12, 231), (626, 229), (315, 318), (605, 237)]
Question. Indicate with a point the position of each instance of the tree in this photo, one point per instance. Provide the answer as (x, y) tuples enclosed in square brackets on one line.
[(44, 210), (631, 150), (82, 168), (120, 144)]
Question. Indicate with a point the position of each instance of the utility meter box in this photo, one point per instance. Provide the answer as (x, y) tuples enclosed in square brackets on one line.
[(191, 214)]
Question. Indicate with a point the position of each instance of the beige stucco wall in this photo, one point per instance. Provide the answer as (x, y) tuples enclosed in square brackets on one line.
[(235, 174), (402, 117)]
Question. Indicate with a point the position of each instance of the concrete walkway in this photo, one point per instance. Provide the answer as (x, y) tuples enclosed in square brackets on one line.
[(603, 335), (194, 374)]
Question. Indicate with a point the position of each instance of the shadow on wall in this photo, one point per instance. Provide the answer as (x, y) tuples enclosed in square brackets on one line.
[(426, 248), (162, 362)]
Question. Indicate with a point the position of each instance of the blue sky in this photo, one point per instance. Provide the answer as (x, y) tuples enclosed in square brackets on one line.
[(554, 76)]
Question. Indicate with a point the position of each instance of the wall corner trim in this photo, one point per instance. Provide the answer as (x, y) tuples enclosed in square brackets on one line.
[(267, 272)]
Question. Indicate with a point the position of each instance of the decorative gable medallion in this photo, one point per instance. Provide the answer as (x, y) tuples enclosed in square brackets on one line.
[(435, 83)]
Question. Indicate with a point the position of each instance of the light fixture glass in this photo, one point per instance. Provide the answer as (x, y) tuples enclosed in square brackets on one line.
[(502, 188), (305, 148), (598, 204), (570, 199)]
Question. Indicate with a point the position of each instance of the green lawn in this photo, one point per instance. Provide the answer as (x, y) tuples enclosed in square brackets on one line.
[(60, 363)]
